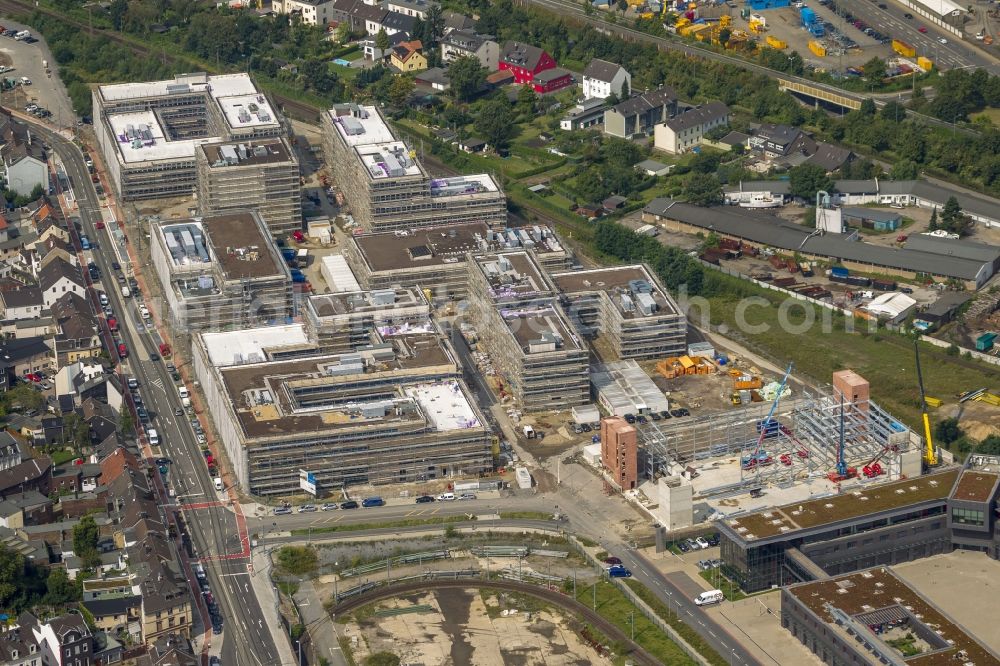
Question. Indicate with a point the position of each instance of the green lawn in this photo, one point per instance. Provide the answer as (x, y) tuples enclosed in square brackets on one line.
[(354, 527), (62, 456), (884, 359), (613, 605), (720, 582), (686, 632)]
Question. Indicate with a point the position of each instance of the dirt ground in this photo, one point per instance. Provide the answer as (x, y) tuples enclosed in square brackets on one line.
[(463, 628)]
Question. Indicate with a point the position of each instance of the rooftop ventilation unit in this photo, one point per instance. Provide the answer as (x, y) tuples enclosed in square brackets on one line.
[(647, 305), (352, 126), (640, 287), (383, 297), (627, 304)]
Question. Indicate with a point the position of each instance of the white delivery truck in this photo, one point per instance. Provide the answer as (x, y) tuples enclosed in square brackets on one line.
[(710, 597), (126, 292), (183, 392)]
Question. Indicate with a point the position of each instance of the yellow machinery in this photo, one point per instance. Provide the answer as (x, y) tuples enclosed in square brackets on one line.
[(930, 457), (932, 402), (776, 43), (756, 27)]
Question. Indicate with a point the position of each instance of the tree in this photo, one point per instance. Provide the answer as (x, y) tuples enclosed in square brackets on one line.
[(117, 12), (11, 575), (893, 111), (433, 28), (904, 170), (703, 189), (875, 71), (867, 107), (724, 36), (126, 423), (382, 41), (933, 225), (625, 92), (76, 432), (381, 659), (85, 538), (298, 560), (60, 589), (496, 122), (952, 217), (806, 180), (526, 99), (620, 152), (400, 91), (467, 76), (622, 6), (344, 32), (947, 431)]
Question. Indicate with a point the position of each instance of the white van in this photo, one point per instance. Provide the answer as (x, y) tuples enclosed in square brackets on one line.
[(183, 392), (218, 483), (199, 570), (446, 497), (710, 597), (154, 438), (103, 298)]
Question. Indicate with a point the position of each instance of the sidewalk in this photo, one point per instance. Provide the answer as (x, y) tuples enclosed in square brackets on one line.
[(267, 597), (322, 630)]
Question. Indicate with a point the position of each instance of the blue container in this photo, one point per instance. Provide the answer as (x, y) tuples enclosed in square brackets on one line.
[(808, 16), (838, 271)]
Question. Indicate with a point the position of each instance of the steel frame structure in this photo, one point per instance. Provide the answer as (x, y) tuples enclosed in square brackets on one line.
[(810, 423)]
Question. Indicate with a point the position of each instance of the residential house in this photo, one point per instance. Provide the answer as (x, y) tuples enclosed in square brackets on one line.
[(375, 54), (778, 141), (27, 508), (456, 21), (34, 474), (654, 168), (602, 78), (114, 465), (830, 157), (26, 261), (311, 12), (685, 130), (638, 115), (59, 278), (551, 80), (65, 640), (18, 647), (10, 450), (586, 113), (415, 8), (358, 15), (101, 417), (435, 77), (392, 23), (524, 61), (53, 248), (25, 303), (24, 161), (466, 43), (166, 603), (20, 356), (406, 56), (172, 650)]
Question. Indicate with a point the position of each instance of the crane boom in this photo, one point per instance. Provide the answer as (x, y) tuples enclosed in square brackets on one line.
[(930, 458)]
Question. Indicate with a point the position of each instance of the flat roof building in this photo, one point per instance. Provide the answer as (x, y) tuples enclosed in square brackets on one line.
[(393, 412), (857, 618), (434, 258), (864, 526), (536, 353), (342, 322), (627, 306), (386, 186), (261, 175), (148, 132), (220, 272)]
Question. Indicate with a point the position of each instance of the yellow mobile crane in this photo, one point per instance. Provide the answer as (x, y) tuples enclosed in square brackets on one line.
[(930, 457)]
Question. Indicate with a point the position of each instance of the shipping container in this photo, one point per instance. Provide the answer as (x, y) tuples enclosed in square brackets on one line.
[(777, 262), (884, 285), (817, 48), (776, 43), (784, 282), (925, 64), (858, 281), (903, 49), (985, 341), (808, 16), (792, 266), (838, 271)]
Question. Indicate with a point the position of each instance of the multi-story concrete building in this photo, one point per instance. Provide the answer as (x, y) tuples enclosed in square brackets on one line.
[(883, 524), (261, 175), (311, 12), (435, 258), (686, 130), (220, 272), (538, 356), (865, 617), (148, 132), (467, 43), (393, 412), (343, 322), (386, 186), (628, 306)]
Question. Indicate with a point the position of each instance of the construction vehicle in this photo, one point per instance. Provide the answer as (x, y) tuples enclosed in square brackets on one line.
[(843, 472), (769, 427), (930, 457)]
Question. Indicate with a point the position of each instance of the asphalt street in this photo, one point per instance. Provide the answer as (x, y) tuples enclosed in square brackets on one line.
[(246, 640)]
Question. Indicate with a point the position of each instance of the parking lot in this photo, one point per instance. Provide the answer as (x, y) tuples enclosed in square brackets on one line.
[(46, 89)]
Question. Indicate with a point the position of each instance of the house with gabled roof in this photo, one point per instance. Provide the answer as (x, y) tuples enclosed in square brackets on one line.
[(602, 78)]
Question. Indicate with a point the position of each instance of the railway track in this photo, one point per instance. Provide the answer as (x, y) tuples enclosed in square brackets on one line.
[(637, 654), (291, 107)]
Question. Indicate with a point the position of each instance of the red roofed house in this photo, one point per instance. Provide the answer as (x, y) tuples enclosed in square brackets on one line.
[(524, 61)]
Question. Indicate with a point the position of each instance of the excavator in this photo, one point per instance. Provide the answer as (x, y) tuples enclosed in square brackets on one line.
[(930, 457)]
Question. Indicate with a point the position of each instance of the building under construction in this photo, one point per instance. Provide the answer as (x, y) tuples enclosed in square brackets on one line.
[(394, 412), (345, 322), (262, 175), (220, 272), (386, 186), (626, 305), (538, 356), (434, 258), (148, 132)]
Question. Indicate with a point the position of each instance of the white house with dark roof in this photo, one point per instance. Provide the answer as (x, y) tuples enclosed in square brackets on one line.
[(686, 130), (312, 12), (23, 303), (601, 78)]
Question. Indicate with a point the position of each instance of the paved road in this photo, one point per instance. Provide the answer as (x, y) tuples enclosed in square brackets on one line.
[(245, 640), (891, 21)]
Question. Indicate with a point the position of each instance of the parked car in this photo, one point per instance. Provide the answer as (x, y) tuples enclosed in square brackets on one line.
[(612, 560), (683, 546), (424, 499), (619, 572), (351, 504), (702, 543), (307, 508), (372, 501), (330, 506), (467, 496), (283, 511)]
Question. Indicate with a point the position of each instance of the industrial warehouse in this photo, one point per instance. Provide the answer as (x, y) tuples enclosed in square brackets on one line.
[(397, 411), (387, 187), (220, 272), (148, 132)]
